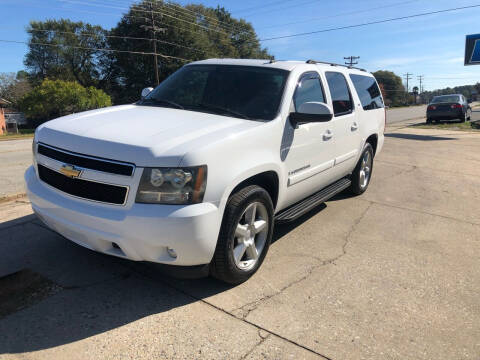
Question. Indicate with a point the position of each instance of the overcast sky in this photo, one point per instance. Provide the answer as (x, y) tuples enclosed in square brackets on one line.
[(432, 45)]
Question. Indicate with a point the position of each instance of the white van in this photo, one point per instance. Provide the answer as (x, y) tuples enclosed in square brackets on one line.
[(197, 172)]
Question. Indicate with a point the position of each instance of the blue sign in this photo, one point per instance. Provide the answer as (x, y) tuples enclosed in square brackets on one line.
[(472, 50)]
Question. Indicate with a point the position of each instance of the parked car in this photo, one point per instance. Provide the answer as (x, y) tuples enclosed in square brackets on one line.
[(448, 107), (197, 172)]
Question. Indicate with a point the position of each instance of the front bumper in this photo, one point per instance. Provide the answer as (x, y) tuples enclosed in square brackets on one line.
[(143, 232)]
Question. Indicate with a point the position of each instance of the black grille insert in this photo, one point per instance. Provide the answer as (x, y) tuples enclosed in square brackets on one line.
[(86, 162), (90, 190)]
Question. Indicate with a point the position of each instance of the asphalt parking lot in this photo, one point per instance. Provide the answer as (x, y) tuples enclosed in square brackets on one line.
[(392, 274)]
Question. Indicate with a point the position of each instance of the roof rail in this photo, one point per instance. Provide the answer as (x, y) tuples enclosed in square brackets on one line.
[(332, 64)]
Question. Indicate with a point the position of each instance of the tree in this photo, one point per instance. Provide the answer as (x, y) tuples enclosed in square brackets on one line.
[(13, 87), (65, 50), (392, 87), (54, 98), (190, 33)]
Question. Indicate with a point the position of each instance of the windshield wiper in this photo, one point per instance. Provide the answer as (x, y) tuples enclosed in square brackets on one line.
[(161, 101), (222, 110)]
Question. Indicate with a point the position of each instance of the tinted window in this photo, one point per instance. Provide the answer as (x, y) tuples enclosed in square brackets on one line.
[(308, 89), (242, 91), (368, 91), (342, 101), (446, 99)]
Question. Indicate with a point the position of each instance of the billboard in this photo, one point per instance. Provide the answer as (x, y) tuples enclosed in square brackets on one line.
[(472, 50)]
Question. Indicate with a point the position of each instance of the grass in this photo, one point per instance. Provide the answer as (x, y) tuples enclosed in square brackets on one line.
[(464, 126), (22, 134)]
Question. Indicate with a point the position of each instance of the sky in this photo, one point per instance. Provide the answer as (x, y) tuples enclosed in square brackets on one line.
[(432, 46)]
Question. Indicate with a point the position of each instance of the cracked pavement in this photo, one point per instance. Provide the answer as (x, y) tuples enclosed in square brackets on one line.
[(392, 274)]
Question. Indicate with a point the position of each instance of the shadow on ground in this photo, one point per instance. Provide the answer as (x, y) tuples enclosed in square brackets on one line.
[(417, 137), (96, 292)]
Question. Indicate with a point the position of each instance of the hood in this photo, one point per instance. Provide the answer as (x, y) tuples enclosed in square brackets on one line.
[(143, 135)]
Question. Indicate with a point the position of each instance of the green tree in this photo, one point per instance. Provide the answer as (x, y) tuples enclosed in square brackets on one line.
[(54, 98), (65, 50), (394, 91), (192, 32)]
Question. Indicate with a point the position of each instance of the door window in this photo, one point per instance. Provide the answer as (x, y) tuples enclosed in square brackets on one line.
[(341, 98), (309, 89)]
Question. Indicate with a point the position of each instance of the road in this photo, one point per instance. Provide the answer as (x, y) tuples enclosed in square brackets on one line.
[(15, 155), (395, 115), (15, 158), (391, 274)]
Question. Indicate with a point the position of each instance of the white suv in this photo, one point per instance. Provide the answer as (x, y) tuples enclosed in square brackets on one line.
[(196, 173)]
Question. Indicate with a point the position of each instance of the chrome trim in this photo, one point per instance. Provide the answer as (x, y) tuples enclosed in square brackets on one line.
[(133, 166), (95, 181)]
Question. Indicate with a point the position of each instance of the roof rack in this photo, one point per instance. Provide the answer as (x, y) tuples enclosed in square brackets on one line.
[(332, 64)]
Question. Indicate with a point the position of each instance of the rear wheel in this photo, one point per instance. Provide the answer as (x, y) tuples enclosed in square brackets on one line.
[(429, 121), (363, 171), (245, 235)]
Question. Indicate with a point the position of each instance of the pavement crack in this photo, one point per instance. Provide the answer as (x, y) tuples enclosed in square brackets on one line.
[(243, 311), (263, 338), (261, 329)]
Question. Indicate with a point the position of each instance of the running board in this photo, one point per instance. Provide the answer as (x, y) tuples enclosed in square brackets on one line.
[(295, 211)]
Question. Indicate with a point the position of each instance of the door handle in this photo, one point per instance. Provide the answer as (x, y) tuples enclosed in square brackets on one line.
[(327, 135), (354, 126)]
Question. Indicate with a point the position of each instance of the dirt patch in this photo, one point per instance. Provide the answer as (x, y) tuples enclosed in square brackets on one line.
[(22, 289)]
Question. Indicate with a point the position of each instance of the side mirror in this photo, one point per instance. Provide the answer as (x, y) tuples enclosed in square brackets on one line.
[(311, 112), (146, 91)]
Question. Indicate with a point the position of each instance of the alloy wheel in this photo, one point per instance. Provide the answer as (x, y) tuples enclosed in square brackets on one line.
[(250, 236)]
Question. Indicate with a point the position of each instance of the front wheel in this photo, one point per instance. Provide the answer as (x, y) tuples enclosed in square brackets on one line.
[(245, 235), (363, 171)]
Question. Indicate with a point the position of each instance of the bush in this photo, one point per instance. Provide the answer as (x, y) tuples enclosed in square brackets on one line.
[(55, 98)]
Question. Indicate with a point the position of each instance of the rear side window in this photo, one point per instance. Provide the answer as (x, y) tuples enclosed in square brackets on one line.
[(308, 89), (341, 98), (368, 91)]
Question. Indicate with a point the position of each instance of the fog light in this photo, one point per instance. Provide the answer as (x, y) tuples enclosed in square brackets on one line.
[(172, 253)]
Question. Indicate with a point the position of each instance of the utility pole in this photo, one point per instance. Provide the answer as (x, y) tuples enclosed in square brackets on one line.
[(408, 77), (351, 60), (420, 79), (154, 29)]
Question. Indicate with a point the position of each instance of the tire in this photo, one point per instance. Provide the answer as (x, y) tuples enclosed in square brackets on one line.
[(359, 185), (238, 235), (429, 121)]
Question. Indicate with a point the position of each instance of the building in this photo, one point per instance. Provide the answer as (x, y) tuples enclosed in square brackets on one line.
[(3, 126)]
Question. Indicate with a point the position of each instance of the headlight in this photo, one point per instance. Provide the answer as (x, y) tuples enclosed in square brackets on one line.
[(172, 185)]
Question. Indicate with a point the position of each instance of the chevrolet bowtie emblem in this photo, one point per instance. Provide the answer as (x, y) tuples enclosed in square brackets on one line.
[(70, 171)]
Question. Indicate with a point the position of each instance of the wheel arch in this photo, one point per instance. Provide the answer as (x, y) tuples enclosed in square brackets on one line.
[(373, 140), (269, 180)]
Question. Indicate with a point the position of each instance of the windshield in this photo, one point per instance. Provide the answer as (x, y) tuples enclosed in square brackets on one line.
[(246, 92), (446, 99)]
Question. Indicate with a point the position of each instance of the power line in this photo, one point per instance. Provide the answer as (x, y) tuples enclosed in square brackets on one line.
[(143, 11), (95, 49), (340, 14), (116, 37), (178, 8), (372, 22)]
